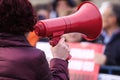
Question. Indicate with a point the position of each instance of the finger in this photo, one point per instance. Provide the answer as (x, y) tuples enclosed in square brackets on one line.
[(67, 48), (64, 36), (67, 45), (62, 41)]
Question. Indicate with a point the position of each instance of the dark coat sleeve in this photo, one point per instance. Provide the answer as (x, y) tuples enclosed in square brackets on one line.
[(58, 69)]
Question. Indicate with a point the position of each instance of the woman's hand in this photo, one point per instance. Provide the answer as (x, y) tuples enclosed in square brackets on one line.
[(61, 50)]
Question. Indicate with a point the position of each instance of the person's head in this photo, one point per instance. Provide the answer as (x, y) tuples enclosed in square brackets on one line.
[(111, 15), (79, 1), (43, 11), (84, 0), (63, 4), (16, 16), (63, 7)]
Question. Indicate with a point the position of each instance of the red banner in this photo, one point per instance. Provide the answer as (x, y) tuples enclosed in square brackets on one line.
[(82, 66)]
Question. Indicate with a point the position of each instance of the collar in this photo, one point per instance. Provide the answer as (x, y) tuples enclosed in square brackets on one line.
[(108, 39), (11, 40)]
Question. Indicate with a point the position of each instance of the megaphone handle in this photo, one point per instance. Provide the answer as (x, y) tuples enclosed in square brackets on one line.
[(54, 41), (55, 38)]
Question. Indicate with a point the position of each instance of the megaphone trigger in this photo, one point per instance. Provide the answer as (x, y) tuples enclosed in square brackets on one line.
[(54, 39)]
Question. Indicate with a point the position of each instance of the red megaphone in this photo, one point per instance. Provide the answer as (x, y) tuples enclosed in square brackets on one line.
[(87, 20)]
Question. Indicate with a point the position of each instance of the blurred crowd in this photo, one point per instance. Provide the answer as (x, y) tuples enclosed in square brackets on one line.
[(110, 35), (56, 8)]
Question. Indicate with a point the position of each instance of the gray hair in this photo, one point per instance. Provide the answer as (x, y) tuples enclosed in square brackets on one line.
[(105, 5)]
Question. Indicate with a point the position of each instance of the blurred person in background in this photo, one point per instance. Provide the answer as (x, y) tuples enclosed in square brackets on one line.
[(111, 32), (43, 11), (110, 35), (79, 1), (18, 59), (62, 8)]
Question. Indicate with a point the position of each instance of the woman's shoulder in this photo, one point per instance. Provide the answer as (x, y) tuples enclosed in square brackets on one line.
[(35, 52)]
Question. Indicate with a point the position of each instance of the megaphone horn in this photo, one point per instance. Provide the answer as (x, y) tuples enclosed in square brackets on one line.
[(87, 20)]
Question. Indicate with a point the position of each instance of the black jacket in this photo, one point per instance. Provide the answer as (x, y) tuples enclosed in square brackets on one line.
[(112, 50)]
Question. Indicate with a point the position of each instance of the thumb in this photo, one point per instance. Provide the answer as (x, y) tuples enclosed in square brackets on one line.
[(62, 40)]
